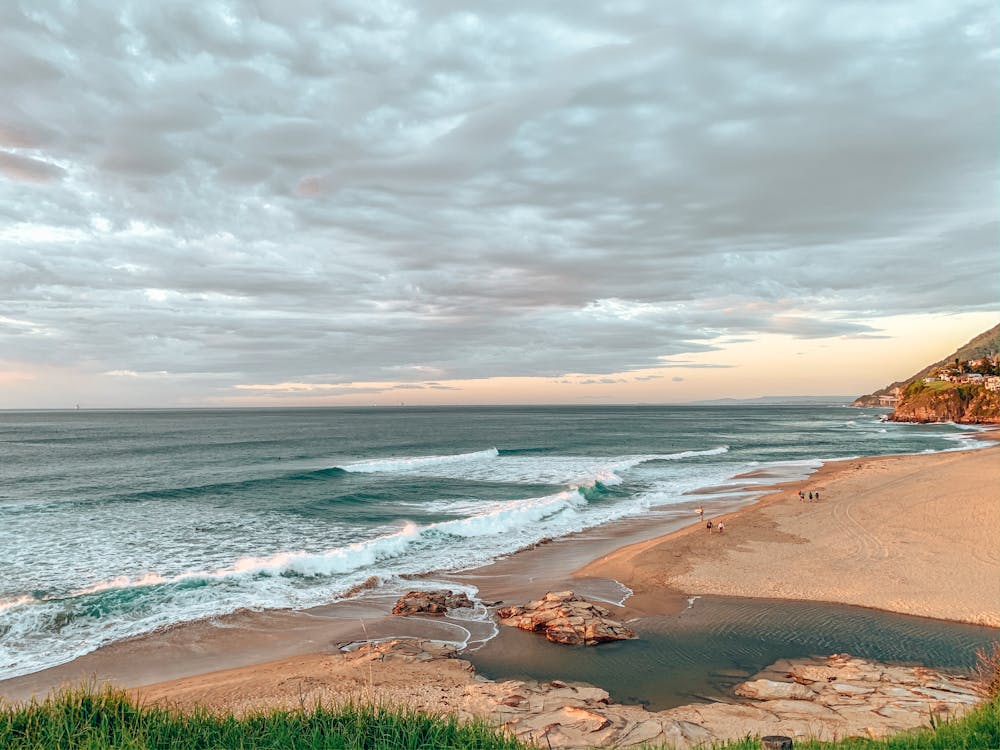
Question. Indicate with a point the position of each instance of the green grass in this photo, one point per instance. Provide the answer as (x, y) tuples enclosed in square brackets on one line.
[(99, 720), (82, 719), (940, 385), (978, 730)]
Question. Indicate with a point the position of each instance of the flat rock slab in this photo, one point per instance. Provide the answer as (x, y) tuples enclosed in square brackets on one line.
[(566, 618), (435, 603), (766, 690)]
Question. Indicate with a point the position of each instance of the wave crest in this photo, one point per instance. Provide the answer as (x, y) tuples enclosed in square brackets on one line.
[(402, 465)]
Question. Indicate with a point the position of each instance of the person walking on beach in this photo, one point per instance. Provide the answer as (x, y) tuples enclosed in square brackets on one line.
[(722, 527), (810, 496), (802, 495), (817, 496), (709, 527)]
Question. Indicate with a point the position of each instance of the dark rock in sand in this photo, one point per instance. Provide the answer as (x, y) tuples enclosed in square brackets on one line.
[(566, 618), (369, 583), (435, 603)]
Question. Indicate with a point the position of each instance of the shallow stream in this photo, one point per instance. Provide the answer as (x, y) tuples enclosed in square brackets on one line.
[(703, 652)]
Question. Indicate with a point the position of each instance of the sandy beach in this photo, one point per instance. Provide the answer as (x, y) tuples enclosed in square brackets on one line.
[(912, 534)]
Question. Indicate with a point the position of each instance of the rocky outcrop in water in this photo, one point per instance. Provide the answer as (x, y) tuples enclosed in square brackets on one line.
[(566, 618), (436, 603)]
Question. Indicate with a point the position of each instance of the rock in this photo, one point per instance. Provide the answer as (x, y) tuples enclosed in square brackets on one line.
[(369, 583), (952, 687), (812, 673), (767, 690), (642, 733), (590, 693), (693, 734), (566, 618), (435, 603), (789, 708), (403, 649), (847, 689), (969, 404), (946, 696), (589, 721)]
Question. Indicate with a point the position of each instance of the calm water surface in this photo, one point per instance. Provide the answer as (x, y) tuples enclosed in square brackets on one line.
[(705, 651)]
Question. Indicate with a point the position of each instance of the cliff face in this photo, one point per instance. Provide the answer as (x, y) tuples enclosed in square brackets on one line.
[(971, 404)]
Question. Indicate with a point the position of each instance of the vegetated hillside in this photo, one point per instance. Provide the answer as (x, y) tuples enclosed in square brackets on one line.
[(947, 402), (982, 345)]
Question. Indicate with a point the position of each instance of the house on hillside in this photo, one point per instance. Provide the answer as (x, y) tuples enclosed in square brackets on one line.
[(992, 383)]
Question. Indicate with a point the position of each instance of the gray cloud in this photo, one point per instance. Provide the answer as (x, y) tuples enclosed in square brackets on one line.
[(25, 168), (297, 192)]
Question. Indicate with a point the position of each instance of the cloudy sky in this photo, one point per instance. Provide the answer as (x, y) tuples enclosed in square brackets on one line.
[(287, 201)]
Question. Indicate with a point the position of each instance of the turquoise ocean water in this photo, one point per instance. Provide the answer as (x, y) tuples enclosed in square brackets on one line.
[(114, 523)]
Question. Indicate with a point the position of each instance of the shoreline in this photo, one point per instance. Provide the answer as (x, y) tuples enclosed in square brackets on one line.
[(914, 534), (590, 561), (248, 637)]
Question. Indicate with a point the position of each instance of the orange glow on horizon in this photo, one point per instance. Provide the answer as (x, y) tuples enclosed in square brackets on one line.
[(769, 365)]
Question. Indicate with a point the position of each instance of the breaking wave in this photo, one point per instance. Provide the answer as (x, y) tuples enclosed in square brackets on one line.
[(403, 465)]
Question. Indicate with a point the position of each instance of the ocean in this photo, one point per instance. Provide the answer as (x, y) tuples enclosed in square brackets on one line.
[(115, 523)]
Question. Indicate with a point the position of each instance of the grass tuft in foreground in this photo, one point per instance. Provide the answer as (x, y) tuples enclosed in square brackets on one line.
[(987, 671), (83, 719), (978, 730)]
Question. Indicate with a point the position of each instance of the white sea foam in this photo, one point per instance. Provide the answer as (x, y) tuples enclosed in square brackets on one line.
[(970, 427), (367, 554), (407, 465), (121, 582), (513, 515), (336, 561), (17, 601), (492, 466), (966, 443)]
